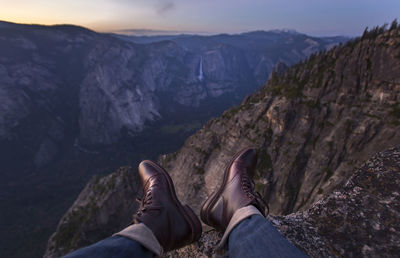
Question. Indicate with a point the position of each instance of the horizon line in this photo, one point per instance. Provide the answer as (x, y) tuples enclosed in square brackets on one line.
[(172, 32)]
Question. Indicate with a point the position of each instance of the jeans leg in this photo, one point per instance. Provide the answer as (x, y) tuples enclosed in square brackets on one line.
[(256, 237), (115, 246)]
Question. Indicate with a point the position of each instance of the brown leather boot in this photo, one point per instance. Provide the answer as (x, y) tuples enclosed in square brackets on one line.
[(236, 191), (173, 224)]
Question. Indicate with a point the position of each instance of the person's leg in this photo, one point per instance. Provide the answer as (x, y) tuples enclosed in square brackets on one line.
[(116, 246), (161, 223), (255, 236), (239, 210)]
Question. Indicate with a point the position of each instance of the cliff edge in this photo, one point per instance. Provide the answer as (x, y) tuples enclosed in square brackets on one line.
[(361, 218)]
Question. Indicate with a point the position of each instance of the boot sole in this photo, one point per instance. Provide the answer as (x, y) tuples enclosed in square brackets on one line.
[(187, 213), (210, 202)]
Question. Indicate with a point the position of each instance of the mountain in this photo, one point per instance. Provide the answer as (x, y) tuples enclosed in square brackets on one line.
[(262, 49), (104, 88), (75, 103), (313, 124)]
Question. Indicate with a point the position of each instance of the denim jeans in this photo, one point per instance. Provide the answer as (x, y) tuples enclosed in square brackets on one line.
[(111, 247), (256, 237), (253, 237)]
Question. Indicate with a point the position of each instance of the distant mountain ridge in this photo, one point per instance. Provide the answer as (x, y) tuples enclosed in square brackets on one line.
[(232, 65), (144, 37)]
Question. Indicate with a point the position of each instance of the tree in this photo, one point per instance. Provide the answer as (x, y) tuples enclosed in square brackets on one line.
[(394, 25), (365, 33)]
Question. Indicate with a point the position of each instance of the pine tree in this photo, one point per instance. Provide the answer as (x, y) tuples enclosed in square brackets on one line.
[(394, 25), (365, 33)]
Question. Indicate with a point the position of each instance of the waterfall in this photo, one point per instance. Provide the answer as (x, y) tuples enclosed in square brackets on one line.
[(201, 77)]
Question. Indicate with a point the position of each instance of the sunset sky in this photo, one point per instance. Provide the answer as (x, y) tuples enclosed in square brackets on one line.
[(315, 17)]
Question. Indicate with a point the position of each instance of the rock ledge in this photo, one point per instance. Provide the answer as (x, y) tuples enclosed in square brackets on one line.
[(362, 218)]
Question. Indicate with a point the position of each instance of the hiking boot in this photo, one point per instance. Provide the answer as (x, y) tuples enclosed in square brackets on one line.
[(173, 224), (236, 191)]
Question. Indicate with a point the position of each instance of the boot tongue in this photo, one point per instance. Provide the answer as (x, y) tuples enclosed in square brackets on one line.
[(245, 162), (248, 160), (146, 171)]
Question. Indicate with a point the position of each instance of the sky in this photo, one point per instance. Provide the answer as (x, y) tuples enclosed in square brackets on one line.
[(314, 17)]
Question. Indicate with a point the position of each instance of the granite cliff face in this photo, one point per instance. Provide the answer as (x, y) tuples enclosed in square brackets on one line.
[(359, 219), (105, 86), (258, 51), (314, 125)]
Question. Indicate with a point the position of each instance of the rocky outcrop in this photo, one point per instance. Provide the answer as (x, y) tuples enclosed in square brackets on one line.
[(361, 218), (312, 125)]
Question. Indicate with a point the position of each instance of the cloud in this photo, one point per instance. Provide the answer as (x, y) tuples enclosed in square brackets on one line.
[(159, 7), (163, 6)]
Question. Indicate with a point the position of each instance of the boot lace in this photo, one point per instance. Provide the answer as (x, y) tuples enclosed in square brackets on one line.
[(146, 204), (248, 186)]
